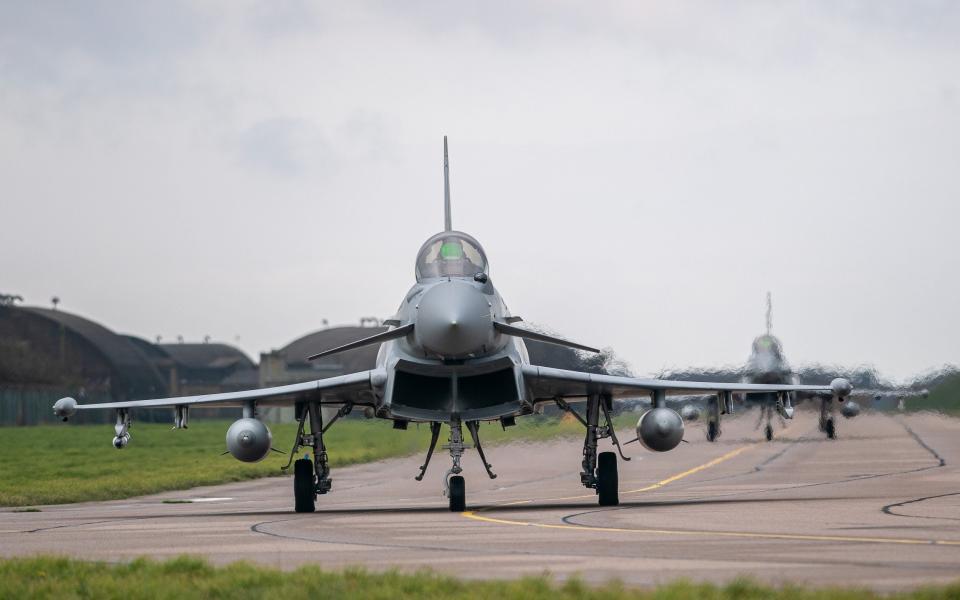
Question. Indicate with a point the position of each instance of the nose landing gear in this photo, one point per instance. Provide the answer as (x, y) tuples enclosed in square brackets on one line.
[(721, 404), (454, 485)]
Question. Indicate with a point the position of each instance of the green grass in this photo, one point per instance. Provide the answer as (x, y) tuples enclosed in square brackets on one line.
[(54, 464), (944, 398), (184, 577)]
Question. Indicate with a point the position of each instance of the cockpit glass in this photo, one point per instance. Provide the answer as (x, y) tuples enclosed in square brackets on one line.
[(767, 344), (450, 254)]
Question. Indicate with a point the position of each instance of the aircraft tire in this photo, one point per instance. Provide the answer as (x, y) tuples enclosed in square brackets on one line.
[(304, 493), (608, 483), (830, 429), (712, 431), (768, 432), (458, 493)]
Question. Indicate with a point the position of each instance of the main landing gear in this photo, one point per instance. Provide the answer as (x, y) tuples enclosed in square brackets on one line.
[(721, 404), (599, 470), (311, 478), (827, 422)]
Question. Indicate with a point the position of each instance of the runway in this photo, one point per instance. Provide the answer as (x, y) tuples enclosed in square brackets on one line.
[(879, 507)]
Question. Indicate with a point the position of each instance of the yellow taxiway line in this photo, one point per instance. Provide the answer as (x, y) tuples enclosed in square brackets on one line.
[(685, 532)]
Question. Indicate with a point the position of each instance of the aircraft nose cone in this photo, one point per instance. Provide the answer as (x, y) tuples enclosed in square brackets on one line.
[(453, 320)]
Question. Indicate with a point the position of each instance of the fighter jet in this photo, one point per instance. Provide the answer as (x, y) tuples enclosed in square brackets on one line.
[(768, 365), (453, 355)]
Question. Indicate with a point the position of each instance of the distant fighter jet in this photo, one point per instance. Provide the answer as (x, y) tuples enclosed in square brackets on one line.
[(767, 364), (453, 355)]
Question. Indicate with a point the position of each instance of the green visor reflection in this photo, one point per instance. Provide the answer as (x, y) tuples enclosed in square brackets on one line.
[(451, 251)]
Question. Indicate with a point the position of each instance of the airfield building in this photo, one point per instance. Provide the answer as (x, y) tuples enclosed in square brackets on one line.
[(46, 354)]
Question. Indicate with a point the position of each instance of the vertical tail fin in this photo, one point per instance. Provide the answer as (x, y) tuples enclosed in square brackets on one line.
[(447, 219), (769, 313)]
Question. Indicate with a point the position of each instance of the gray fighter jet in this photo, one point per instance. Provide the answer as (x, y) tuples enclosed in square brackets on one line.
[(768, 365), (453, 355)]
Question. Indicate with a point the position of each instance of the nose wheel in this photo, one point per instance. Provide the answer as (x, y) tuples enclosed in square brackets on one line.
[(457, 493)]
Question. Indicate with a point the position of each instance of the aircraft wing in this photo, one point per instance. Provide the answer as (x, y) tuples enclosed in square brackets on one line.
[(898, 394), (355, 388), (546, 383)]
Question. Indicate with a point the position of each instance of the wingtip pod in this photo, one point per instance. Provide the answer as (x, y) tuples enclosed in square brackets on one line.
[(841, 387), (65, 407)]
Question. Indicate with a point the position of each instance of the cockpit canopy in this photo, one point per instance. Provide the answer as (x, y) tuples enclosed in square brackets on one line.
[(767, 344), (450, 254)]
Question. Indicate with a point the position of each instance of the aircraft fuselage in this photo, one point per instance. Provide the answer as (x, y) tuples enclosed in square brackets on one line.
[(454, 364)]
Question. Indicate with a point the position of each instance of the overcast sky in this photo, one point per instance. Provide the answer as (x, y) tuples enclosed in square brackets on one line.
[(640, 174)]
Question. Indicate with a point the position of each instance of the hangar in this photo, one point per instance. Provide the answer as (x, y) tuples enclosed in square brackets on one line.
[(46, 354)]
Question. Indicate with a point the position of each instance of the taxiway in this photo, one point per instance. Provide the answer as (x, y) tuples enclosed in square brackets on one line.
[(879, 507)]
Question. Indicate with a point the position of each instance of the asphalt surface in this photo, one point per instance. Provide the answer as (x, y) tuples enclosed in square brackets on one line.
[(879, 507)]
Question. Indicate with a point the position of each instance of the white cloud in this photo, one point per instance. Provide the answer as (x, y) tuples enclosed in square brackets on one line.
[(640, 173)]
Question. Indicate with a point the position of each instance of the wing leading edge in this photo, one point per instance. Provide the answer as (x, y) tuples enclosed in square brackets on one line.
[(355, 388), (547, 383)]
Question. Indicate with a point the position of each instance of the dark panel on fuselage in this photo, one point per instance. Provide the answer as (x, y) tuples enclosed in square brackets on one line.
[(489, 389), (422, 391)]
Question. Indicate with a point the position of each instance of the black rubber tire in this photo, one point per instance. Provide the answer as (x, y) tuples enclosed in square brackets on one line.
[(768, 431), (458, 493), (712, 431), (830, 429), (608, 483), (304, 488)]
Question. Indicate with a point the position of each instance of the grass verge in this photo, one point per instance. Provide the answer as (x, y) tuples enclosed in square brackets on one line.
[(184, 577), (54, 464)]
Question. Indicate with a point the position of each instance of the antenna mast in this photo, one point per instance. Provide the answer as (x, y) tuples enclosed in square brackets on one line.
[(447, 220)]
